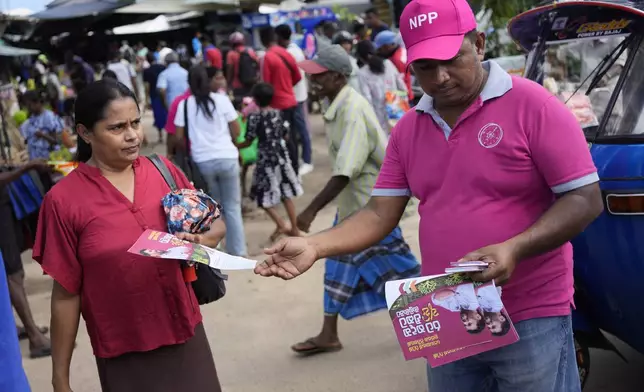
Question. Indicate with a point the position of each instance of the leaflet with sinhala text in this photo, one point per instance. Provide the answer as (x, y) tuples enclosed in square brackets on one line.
[(445, 318)]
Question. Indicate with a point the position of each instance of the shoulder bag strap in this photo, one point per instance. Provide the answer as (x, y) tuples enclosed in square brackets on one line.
[(185, 122), (164, 171), (285, 62)]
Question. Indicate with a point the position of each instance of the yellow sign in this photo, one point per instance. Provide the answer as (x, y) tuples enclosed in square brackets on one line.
[(595, 27)]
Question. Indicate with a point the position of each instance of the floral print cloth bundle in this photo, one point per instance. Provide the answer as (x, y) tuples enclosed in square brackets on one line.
[(190, 211)]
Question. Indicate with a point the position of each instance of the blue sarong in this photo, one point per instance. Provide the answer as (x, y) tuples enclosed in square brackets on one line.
[(159, 111), (354, 285)]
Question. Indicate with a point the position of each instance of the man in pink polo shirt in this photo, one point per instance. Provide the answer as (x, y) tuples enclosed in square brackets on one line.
[(503, 174)]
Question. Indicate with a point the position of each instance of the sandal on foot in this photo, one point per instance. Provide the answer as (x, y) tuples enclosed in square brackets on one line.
[(40, 352), (313, 348)]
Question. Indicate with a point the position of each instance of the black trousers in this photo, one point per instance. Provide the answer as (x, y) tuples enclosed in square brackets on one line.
[(288, 115)]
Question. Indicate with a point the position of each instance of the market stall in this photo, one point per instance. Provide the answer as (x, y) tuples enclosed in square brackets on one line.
[(303, 22)]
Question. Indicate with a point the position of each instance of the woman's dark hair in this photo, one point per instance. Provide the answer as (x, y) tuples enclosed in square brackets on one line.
[(367, 53), (200, 88), (33, 96), (68, 107), (262, 94), (185, 64), (283, 31), (267, 35), (358, 27), (109, 74), (90, 106), (212, 72)]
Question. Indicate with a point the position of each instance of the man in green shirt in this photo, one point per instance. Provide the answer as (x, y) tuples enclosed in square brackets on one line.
[(353, 284)]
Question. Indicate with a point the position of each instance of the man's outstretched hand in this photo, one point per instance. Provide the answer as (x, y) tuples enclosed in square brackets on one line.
[(288, 258)]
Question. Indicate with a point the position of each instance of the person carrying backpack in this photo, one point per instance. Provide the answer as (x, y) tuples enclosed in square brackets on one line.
[(242, 68)]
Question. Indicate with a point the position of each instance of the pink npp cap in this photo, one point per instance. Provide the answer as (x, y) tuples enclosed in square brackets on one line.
[(434, 29)]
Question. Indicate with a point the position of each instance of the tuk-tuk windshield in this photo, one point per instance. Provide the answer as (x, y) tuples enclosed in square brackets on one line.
[(626, 122), (570, 70), (568, 41)]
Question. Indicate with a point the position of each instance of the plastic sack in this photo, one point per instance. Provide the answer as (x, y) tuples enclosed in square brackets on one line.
[(248, 154), (582, 108), (396, 104)]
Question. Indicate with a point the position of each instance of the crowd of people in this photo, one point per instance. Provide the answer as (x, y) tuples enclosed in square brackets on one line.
[(200, 106), (143, 318)]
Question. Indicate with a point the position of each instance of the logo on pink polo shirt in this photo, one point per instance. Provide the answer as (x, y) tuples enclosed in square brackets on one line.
[(490, 135)]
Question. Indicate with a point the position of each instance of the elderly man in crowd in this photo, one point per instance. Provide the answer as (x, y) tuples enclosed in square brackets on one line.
[(354, 282)]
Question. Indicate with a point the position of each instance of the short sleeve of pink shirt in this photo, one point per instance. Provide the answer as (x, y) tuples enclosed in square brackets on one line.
[(392, 180), (559, 149)]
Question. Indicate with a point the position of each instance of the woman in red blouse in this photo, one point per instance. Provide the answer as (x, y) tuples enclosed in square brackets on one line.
[(141, 314)]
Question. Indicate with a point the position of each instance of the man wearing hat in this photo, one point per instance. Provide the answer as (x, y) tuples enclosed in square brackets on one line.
[(345, 39), (353, 283), (503, 175), (388, 46)]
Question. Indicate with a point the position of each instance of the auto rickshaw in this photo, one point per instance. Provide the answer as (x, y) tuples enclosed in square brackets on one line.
[(609, 254)]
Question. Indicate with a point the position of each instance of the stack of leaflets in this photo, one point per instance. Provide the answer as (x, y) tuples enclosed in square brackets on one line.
[(448, 317), (466, 266), (166, 246)]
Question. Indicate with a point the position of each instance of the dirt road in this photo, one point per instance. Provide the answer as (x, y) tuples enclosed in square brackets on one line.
[(251, 329)]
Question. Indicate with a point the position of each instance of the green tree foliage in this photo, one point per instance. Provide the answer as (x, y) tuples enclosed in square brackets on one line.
[(343, 14), (501, 12)]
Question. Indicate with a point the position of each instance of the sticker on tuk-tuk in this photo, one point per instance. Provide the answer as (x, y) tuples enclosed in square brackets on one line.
[(592, 23), (559, 23), (580, 105)]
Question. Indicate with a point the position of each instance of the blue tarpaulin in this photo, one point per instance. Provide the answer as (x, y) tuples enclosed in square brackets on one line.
[(12, 376), (69, 9)]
